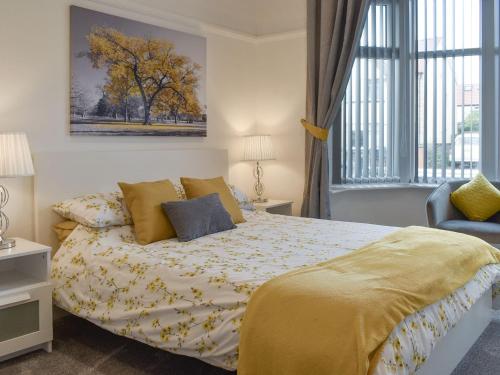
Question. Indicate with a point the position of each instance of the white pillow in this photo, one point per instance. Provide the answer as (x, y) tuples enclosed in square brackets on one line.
[(97, 210), (181, 193), (243, 201)]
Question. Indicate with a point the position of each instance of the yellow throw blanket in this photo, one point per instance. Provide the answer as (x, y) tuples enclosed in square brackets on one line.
[(333, 318)]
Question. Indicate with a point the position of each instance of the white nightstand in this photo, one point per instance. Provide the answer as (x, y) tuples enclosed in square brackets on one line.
[(274, 206), (25, 299)]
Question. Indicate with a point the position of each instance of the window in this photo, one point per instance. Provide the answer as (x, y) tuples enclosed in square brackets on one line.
[(369, 115), (422, 103), (448, 89)]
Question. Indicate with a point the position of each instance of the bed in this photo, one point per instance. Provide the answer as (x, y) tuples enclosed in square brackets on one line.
[(189, 298)]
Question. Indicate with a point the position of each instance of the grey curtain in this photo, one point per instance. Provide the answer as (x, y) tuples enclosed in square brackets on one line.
[(333, 31)]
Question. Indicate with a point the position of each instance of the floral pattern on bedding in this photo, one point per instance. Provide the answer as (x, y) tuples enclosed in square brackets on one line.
[(410, 344), (180, 192), (189, 298), (97, 210)]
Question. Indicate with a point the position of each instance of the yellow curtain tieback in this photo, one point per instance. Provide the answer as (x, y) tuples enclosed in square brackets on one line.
[(315, 131)]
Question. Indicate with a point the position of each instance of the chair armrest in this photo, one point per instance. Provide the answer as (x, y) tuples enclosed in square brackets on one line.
[(439, 207)]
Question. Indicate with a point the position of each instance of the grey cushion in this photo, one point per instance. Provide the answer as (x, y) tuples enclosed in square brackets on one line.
[(198, 217), (488, 231)]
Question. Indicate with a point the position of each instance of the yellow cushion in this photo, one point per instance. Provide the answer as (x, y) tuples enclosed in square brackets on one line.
[(64, 229), (144, 201), (478, 199), (195, 188)]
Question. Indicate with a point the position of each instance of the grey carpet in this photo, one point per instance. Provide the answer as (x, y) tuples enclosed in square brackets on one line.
[(484, 356), (81, 348)]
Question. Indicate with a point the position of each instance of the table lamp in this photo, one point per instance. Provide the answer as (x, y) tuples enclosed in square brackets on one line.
[(15, 161), (258, 148)]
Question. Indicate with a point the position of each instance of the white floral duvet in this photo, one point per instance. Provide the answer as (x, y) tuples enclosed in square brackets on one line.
[(189, 298)]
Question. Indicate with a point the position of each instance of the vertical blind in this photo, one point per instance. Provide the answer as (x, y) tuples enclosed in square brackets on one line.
[(495, 80), (447, 143), (369, 116), (416, 88)]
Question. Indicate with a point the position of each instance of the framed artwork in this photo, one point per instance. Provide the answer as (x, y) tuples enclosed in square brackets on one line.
[(131, 78)]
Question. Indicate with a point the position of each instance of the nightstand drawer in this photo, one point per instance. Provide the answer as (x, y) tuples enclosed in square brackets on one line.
[(19, 320), (25, 319)]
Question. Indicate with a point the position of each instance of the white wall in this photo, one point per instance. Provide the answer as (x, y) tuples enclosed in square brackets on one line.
[(398, 206), (254, 17), (237, 15), (250, 17), (281, 88), (34, 94)]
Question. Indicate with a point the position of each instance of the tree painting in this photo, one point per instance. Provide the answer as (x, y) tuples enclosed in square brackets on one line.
[(135, 79)]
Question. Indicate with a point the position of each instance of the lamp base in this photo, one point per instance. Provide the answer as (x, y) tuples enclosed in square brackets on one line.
[(7, 243)]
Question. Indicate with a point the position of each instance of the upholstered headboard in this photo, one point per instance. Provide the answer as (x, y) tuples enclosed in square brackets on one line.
[(63, 175)]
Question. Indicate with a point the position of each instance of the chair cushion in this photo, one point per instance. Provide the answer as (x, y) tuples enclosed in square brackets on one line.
[(487, 231), (478, 199)]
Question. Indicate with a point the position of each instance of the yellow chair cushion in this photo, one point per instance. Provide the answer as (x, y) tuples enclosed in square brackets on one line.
[(478, 199), (144, 201), (195, 188)]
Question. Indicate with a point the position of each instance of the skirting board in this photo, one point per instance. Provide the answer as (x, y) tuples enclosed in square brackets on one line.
[(452, 348)]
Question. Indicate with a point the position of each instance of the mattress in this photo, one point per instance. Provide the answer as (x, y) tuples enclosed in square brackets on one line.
[(190, 298)]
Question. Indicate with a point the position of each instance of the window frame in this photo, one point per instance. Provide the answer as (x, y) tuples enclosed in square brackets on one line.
[(336, 141), (406, 160)]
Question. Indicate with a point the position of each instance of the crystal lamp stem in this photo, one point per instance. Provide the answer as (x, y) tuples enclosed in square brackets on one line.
[(5, 243), (259, 186)]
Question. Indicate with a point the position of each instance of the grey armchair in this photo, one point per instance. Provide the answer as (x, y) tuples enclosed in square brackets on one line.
[(443, 215)]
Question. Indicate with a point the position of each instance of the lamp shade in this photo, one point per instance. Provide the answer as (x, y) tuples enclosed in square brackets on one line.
[(15, 155), (258, 147)]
